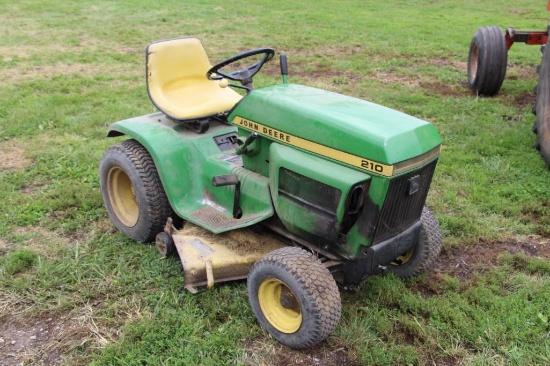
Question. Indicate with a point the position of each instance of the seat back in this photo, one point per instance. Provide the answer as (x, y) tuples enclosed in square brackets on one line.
[(177, 83)]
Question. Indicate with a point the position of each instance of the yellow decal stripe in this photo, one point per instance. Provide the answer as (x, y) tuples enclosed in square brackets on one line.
[(329, 152)]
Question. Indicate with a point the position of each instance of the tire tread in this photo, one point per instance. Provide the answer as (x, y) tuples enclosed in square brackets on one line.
[(157, 204), (491, 63), (318, 284), (541, 126), (427, 250)]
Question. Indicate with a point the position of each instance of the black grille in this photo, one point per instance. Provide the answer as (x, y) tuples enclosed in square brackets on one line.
[(404, 202), (309, 191)]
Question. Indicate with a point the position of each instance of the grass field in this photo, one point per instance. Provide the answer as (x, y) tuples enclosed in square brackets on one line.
[(74, 291)]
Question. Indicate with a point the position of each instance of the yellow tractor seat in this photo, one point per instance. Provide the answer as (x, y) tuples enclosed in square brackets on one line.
[(177, 83)]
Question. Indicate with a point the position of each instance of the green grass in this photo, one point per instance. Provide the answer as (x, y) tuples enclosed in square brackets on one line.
[(69, 71)]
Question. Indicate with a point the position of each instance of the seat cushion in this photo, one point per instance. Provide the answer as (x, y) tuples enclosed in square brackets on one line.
[(177, 82)]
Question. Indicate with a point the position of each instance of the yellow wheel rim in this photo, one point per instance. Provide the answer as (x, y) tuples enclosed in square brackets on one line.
[(122, 196), (280, 306), (402, 259)]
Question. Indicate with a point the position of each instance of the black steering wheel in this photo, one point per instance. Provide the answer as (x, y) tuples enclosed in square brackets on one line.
[(244, 75)]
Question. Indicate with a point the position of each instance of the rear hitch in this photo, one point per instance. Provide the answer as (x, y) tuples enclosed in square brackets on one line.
[(527, 37)]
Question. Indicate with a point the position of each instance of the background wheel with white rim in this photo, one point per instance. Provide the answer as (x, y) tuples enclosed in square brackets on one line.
[(132, 192), (294, 297), (487, 61)]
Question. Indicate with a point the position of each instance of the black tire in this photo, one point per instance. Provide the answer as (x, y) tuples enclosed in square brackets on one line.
[(165, 245), (535, 90), (132, 191), (426, 251), (294, 297), (487, 60), (542, 109)]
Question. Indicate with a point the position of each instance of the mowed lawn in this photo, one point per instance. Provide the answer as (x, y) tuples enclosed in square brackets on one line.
[(75, 291)]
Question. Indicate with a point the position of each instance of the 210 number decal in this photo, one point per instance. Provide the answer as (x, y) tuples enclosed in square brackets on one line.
[(372, 166)]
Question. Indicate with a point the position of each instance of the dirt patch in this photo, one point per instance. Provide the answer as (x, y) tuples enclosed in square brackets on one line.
[(460, 66), (517, 12), (311, 71), (525, 99), (262, 351), (51, 70), (392, 78), (35, 341), (520, 72), (4, 247), (51, 338), (82, 70), (12, 156), (26, 73), (329, 53), (444, 89), (12, 52), (48, 339), (33, 187), (431, 86), (321, 71), (463, 262), (29, 342)]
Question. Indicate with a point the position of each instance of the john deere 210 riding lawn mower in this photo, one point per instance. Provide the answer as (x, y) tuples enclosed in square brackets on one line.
[(487, 63), (339, 181)]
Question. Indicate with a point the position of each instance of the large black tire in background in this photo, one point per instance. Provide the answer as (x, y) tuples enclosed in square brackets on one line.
[(294, 297), (487, 61), (423, 255), (542, 108), (132, 191)]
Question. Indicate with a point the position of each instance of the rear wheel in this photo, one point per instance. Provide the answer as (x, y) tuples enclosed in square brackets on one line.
[(294, 297), (487, 61), (132, 191), (422, 256), (542, 108)]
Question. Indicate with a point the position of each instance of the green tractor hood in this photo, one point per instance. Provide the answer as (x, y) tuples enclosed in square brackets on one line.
[(349, 130)]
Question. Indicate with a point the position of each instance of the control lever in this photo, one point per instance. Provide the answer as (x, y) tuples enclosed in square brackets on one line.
[(244, 148)]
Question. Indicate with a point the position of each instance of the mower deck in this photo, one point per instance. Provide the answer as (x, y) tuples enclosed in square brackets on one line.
[(209, 259)]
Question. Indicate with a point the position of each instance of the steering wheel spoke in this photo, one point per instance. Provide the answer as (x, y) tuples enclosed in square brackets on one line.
[(245, 74)]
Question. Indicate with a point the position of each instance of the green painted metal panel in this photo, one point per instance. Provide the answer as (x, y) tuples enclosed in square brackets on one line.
[(187, 161), (355, 240), (340, 122), (257, 160), (300, 214)]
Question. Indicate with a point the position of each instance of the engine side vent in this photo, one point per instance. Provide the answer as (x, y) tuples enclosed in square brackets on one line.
[(404, 202), (308, 191)]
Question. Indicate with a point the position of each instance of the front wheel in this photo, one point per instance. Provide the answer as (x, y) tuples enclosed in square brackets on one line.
[(487, 61), (132, 191), (294, 297), (422, 256)]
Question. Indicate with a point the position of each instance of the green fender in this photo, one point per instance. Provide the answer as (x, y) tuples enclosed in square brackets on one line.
[(187, 161)]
